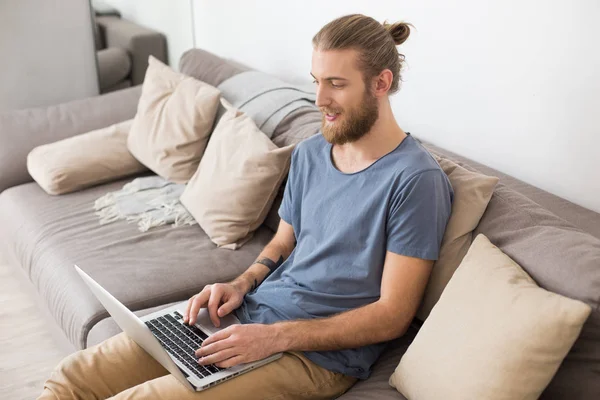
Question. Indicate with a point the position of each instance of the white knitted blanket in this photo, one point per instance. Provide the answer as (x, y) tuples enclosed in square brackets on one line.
[(150, 201)]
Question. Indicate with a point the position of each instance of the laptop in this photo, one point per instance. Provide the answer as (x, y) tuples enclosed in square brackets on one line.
[(172, 343)]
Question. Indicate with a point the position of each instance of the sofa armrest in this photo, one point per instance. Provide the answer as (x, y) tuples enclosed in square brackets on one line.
[(23, 130), (139, 41)]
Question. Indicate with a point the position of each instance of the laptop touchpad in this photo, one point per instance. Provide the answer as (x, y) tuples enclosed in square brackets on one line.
[(206, 323)]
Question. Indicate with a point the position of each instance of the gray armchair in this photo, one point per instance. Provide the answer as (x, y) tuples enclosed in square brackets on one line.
[(122, 49)]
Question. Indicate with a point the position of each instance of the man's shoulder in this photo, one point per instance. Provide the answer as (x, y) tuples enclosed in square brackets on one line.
[(416, 160), (309, 147), (315, 141)]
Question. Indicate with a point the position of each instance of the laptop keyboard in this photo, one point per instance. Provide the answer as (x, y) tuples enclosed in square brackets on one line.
[(181, 341)]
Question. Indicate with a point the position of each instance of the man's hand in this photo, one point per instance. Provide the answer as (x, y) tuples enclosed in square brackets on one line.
[(221, 299), (238, 344)]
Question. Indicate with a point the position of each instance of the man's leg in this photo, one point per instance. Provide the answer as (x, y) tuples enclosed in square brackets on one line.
[(293, 376), (102, 371)]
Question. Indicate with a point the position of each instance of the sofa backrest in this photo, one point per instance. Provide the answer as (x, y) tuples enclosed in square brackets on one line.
[(560, 256), (581, 217), (23, 130)]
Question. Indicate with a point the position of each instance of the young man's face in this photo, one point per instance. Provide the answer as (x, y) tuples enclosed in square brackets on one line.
[(349, 108)]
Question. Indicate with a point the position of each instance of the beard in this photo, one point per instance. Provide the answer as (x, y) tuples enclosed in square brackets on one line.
[(356, 123)]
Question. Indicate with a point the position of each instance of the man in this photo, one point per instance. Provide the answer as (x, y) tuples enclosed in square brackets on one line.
[(362, 220)]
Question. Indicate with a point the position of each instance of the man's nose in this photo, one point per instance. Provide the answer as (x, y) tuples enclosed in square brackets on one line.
[(322, 97)]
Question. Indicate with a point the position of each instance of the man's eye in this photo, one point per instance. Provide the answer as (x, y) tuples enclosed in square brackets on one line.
[(337, 86)]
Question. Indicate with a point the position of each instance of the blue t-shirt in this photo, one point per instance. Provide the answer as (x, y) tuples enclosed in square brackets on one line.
[(344, 224)]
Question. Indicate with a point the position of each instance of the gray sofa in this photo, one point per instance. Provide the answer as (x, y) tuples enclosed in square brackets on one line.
[(555, 241)]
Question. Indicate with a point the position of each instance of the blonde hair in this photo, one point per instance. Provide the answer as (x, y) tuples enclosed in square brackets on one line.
[(376, 44)]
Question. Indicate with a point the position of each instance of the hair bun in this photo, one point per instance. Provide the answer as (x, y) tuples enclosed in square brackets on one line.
[(399, 31)]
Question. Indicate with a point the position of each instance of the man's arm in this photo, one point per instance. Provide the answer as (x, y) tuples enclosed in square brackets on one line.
[(223, 298), (273, 255), (402, 287)]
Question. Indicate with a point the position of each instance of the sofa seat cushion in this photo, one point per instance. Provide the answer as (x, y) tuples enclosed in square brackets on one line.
[(114, 65), (47, 234), (108, 327)]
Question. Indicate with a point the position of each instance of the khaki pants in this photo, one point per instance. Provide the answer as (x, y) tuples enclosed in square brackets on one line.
[(119, 369)]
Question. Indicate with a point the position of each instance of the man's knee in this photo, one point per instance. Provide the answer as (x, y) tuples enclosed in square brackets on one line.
[(67, 362), (47, 394)]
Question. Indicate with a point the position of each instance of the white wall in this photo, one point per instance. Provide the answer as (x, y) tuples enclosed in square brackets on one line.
[(512, 84), (173, 18)]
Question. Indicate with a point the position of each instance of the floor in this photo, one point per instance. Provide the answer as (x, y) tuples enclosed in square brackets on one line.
[(29, 347)]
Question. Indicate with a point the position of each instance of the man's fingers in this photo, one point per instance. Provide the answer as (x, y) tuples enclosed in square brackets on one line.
[(225, 308), (199, 302), (208, 349), (231, 362), (215, 337), (187, 309), (213, 305), (218, 356)]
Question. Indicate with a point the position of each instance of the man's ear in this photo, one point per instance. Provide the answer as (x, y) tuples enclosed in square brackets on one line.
[(383, 82)]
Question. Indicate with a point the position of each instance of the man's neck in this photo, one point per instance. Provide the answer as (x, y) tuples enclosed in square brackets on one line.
[(384, 136)]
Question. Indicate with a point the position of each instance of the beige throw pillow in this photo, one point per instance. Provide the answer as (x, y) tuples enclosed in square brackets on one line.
[(84, 160), (472, 193), (237, 180), (494, 334), (173, 121)]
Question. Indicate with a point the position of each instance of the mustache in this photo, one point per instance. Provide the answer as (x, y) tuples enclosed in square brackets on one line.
[(330, 111)]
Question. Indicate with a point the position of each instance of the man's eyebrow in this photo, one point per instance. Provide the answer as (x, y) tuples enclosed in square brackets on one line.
[(331, 78)]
